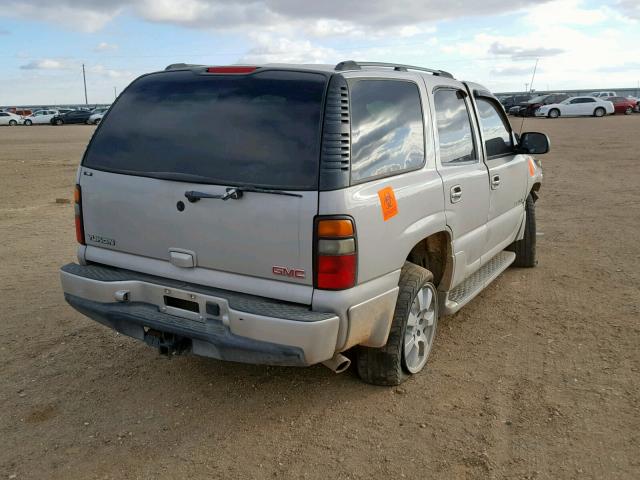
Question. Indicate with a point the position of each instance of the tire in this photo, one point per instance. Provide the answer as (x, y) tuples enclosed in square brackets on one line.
[(628, 111), (12, 123), (525, 249), (599, 112), (28, 123), (392, 364), (96, 121), (58, 121), (553, 113)]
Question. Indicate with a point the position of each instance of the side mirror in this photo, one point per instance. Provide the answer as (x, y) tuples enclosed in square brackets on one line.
[(534, 143)]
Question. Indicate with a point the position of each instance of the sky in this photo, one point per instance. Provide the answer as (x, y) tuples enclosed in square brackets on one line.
[(578, 43)]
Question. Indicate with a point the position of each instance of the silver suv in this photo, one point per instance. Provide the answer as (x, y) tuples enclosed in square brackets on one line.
[(284, 214)]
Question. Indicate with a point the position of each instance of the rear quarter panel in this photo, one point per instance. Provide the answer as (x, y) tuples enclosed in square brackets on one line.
[(383, 245)]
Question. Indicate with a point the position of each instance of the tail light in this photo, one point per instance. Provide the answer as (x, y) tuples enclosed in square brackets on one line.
[(336, 253), (234, 69), (77, 201)]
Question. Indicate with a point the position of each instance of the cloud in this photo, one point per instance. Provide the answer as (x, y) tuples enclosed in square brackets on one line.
[(520, 53), (617, 68), (512, 71), (271, 49), (46, 64), (105, 47), (629, 8), (86, 16), (337, 16), (102, 71)]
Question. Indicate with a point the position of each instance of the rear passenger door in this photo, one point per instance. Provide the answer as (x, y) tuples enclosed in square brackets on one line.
[(507, 175), (464, 176)]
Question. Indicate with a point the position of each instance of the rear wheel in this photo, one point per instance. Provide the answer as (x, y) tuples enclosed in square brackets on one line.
[(58, 121), (628, 111), (412, 331), (12, 123), (554, 113), (28, 123), (599, 112), (525, 249)]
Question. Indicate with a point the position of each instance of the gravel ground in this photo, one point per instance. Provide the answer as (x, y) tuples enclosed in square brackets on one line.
[(537, 378)]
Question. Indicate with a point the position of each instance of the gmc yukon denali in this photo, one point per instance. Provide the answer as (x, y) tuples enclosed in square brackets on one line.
[(284, 214)]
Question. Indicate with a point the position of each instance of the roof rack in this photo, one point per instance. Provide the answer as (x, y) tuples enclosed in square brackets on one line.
[(353, 65)]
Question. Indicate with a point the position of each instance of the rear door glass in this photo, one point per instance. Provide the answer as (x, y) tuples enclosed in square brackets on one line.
[(261, 129), (454, 127)]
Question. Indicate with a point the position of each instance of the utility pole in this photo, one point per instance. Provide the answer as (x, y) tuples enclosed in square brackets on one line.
[(526, 87), (84, 79), (114, 93)]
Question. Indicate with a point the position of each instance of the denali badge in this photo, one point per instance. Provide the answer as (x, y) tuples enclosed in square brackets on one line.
[(287, 272), (102, 240)]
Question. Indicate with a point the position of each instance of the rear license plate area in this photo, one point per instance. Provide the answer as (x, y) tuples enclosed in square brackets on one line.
[(181, 304)]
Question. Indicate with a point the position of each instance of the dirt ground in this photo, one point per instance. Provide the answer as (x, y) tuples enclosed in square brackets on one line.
[(538, 378)]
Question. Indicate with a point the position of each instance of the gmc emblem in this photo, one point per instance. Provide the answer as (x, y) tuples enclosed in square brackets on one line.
[(287, 272)]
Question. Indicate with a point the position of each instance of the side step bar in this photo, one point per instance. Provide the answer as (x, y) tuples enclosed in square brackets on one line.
[(472, 286)]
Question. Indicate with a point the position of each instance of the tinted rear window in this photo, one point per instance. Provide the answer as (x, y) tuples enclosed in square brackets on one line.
[(387, 128), (261, 129)]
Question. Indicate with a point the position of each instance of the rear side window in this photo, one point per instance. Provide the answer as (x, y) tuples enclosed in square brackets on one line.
[(387, 130), (497, 139), (454, 127), (261, 129)]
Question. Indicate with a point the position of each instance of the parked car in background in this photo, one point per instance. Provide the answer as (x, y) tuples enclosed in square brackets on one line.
[(97, 114), (577, 107), (21, 112), (636, 102), (75, 116), (528, 109), (39, 117), (11, 119), (602, 95), (514, 100), (623, 104)]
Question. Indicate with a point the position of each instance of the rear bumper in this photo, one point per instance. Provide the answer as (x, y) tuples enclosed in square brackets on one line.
[(225, 325)]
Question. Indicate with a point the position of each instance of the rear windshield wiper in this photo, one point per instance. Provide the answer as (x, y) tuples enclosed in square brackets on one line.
[(236, 193)]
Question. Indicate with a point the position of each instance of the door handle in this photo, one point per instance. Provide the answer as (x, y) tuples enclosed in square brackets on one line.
[(456, 193), (495, 181)]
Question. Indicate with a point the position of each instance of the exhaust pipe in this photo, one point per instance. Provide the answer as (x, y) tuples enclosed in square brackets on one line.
[(338, 363)]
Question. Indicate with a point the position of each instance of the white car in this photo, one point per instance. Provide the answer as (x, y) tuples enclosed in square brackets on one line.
[(11, 119), (96, 116), (40, 117), (577, 107)]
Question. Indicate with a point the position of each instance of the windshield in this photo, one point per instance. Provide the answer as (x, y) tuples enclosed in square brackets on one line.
[(261, 129)]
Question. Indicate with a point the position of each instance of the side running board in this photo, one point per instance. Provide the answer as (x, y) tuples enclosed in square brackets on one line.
[(472, 286)]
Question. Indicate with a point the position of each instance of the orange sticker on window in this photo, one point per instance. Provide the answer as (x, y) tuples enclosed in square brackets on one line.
[(388, 203), (532, 168)]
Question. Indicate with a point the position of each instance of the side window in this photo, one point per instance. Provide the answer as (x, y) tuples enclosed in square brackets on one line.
[(454, 127), (575, 100), (4, 115), (497, 139), (589, 100), (387, 128)]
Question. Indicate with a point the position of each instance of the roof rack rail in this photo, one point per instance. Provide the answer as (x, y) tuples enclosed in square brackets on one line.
[(353, 65), (181, 66)]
